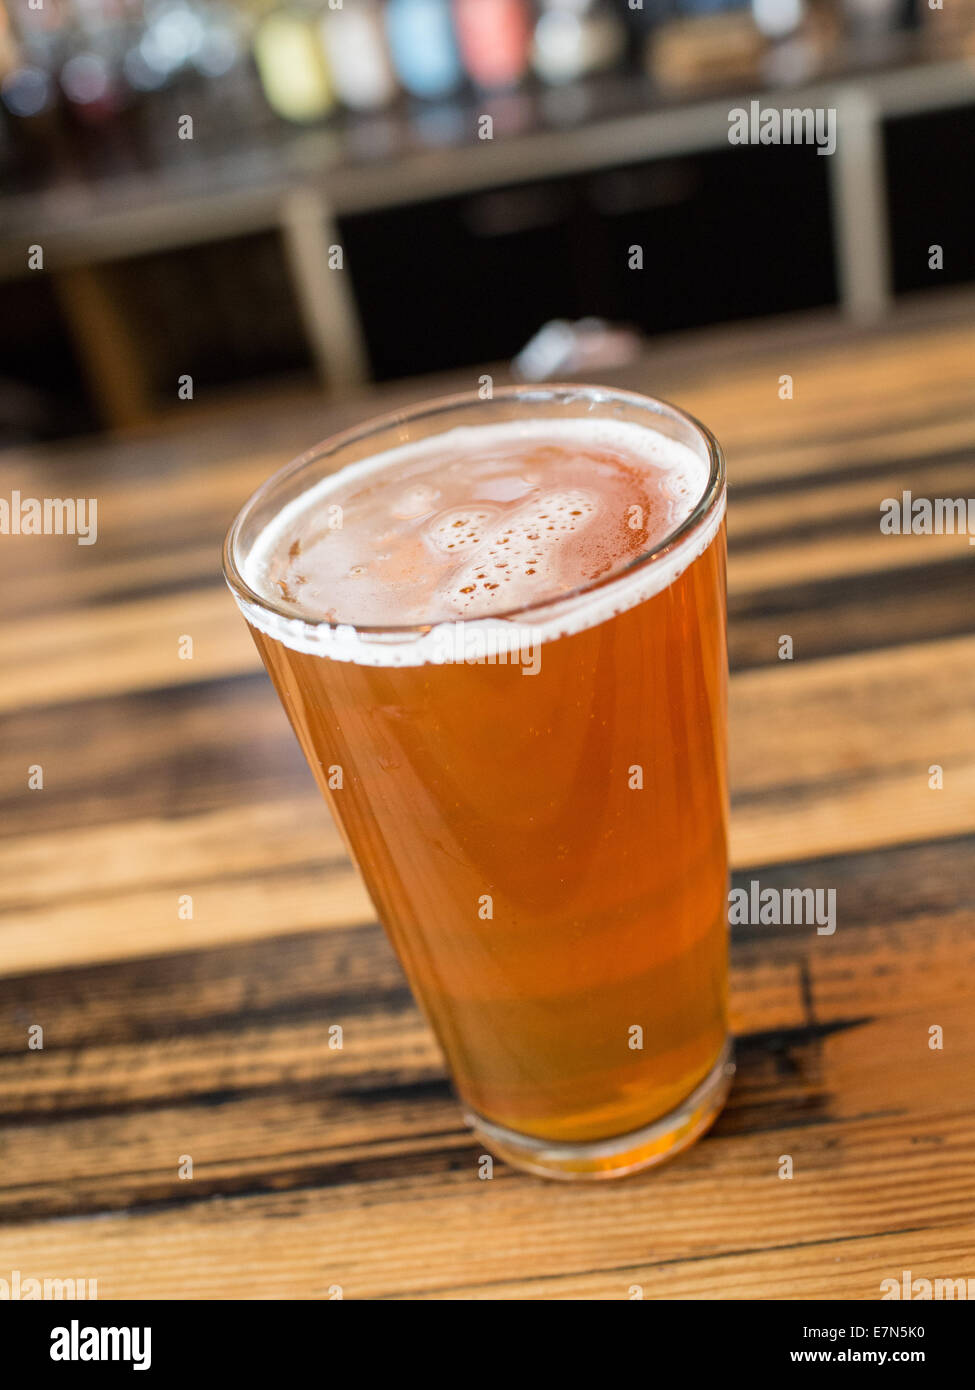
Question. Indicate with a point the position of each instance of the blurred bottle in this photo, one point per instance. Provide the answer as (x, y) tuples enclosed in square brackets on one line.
[(91, 84), (175, 40), (291, 63), (174, 32), (28, 80), (423, 46), (223, 41), (574, 38), (777, 19), (27, 90), (696, 52), (358, 60), (495, 40)]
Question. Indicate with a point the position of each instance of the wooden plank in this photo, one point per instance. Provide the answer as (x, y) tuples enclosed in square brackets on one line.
[(812, 769), (819, 534), (833, 617), (415, 1236), (845, 1268), (904, 892), (228, 1051), (135, 645)]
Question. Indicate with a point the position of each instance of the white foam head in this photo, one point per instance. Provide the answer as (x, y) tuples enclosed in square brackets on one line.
[(505, 555)]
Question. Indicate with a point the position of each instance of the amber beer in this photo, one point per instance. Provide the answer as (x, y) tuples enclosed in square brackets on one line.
[(499, 634)]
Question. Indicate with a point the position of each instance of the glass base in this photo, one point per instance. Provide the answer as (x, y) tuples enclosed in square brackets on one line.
[(624, 1153)]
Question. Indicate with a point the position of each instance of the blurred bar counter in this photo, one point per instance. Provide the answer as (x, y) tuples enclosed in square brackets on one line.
[(215, 257), (169, 780)]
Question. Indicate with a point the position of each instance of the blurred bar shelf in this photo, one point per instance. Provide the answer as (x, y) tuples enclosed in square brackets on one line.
[(298, 182), (212, 193)]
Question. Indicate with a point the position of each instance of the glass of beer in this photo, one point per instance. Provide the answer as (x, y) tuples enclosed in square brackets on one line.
[(497, 627)]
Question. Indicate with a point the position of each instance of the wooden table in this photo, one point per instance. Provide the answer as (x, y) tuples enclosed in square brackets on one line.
[(167, 778)]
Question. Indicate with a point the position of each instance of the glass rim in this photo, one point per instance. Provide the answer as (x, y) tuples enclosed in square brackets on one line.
[(547, 392)]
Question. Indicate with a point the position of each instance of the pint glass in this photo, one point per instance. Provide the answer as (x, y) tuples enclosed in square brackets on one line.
[(535, 795)]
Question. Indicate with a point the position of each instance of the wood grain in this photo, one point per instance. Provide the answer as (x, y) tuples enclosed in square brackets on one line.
[(209, 1037)]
